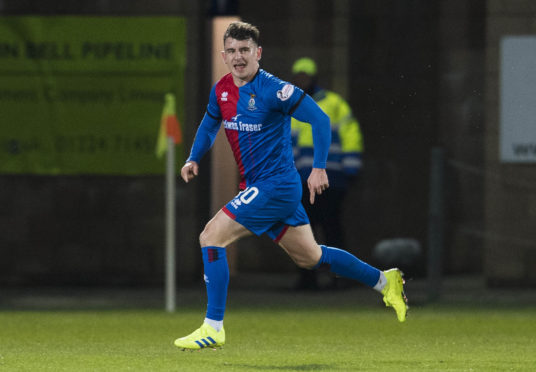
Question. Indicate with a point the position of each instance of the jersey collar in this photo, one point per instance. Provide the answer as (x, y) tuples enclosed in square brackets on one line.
[(253, 79)]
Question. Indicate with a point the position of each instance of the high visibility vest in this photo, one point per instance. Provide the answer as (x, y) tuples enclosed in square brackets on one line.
[(344, 157)]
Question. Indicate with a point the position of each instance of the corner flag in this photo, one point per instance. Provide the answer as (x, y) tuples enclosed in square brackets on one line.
[(169, 126), (169, 135)]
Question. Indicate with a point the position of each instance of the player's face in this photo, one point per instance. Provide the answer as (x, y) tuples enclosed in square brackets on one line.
[(242, 58)]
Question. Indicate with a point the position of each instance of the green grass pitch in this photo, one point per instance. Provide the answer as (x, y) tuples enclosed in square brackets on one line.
[(282, 337)]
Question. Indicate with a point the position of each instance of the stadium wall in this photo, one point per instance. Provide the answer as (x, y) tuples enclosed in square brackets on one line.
[(105, 230), (510, 188), (419, 74)]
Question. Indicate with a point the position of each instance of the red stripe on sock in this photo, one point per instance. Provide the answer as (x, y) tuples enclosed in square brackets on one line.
[(212, 255)]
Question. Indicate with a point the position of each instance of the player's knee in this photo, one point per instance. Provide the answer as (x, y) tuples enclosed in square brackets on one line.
[(205, 237), (306, 258), (305, 265), (306, 262)]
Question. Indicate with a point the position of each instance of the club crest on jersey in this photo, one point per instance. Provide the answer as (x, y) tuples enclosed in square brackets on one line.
[(251, 103), (224, 96), (285, 92)]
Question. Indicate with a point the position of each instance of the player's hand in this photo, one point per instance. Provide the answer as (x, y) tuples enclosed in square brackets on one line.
[(189, 171), (317, 183)]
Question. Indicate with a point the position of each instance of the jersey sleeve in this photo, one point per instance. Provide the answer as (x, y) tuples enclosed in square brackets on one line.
[(283, 96), (213, 109), (308, 111), (291, 100), (208, 129)]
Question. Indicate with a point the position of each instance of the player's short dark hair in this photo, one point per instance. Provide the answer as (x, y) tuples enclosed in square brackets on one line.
[(242, 31)]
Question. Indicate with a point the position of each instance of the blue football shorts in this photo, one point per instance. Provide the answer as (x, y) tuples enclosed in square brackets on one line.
[(269, 206)]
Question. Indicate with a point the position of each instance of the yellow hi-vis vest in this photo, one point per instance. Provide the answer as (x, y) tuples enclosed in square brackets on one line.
[(344, 157)]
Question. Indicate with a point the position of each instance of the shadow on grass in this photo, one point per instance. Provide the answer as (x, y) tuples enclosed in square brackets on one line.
[(299, 367)]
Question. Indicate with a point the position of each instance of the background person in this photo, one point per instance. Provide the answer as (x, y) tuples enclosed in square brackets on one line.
[(343, 164)]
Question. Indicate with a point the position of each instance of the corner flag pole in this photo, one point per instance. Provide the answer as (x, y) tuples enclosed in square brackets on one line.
[(169, 135), (170, 226)]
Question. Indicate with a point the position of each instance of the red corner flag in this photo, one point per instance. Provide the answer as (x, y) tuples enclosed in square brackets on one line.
[(169, 126)]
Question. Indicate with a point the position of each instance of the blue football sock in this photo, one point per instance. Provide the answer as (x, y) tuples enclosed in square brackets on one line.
[(349, 266), (216, 280)]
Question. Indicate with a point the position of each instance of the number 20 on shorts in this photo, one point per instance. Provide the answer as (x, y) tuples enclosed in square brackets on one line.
[(245, 196)]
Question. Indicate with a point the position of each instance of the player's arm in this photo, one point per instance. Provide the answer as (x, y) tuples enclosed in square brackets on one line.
[(204, 139), (308, 111)]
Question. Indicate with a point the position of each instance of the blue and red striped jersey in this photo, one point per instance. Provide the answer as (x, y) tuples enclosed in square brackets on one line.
[(257, 123), (256, 118)]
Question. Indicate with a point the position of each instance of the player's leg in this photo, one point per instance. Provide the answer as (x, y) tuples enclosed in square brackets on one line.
[(219, 232), (301, 246), (308, 278)]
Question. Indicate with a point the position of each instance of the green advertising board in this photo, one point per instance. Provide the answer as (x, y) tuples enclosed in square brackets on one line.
[(84, 95)]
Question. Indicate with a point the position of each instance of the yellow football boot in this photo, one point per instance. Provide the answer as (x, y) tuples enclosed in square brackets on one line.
[(393, 293), (203, 337)]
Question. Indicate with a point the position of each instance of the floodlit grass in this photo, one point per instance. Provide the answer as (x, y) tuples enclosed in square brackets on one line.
[(281, 338)]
